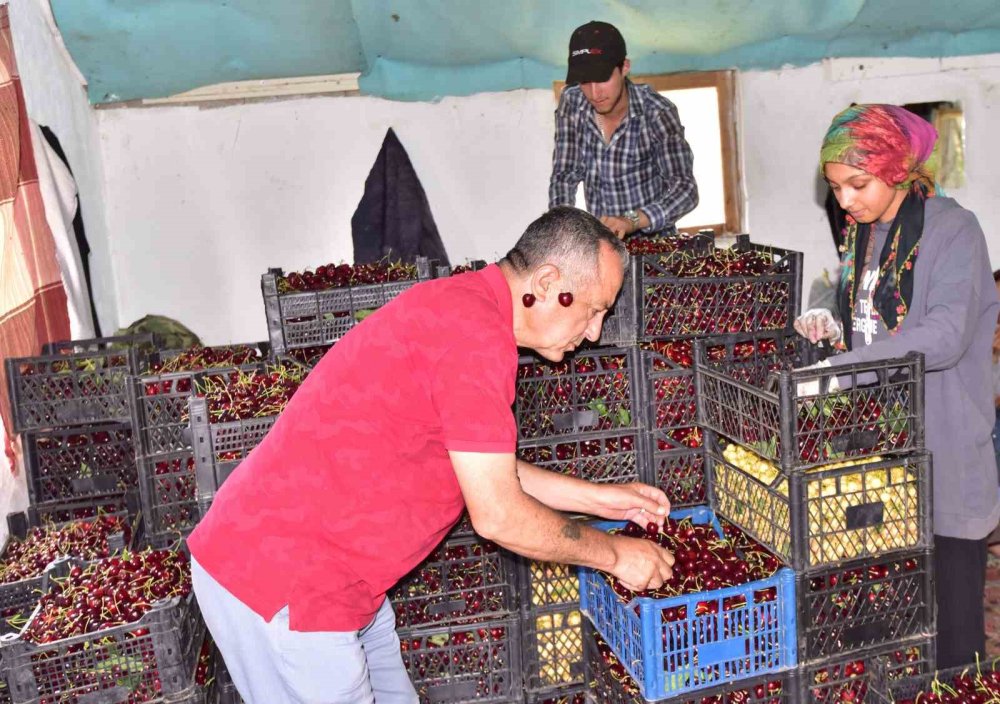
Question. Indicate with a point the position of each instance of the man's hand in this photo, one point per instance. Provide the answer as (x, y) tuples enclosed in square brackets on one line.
[(620, 226), (636, 502), (641, 564)]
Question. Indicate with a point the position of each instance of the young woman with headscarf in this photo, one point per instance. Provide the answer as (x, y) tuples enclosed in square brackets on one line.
[(915, 276)]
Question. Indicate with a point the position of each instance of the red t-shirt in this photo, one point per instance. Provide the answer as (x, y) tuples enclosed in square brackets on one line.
[(353, 487)]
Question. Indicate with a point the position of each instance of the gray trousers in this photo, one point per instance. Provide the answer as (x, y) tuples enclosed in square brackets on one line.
[(271, 664)]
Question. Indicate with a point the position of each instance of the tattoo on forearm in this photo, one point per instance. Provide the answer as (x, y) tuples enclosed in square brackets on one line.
[(571, 530)]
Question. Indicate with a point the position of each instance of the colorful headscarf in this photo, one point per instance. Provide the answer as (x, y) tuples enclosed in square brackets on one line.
[(898, 148)]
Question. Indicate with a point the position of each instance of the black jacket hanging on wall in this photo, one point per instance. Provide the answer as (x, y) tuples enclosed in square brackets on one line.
[(393, 218)]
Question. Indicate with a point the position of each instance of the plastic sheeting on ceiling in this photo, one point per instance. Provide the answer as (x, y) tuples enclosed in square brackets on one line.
[(423, 49)]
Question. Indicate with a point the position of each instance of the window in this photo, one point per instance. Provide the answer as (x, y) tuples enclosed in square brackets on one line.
[(949, 122), (706, 105)]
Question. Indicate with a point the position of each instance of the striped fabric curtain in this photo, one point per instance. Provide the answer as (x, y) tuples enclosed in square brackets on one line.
[(32, 299)]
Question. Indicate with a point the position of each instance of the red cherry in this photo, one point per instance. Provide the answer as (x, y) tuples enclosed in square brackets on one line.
[(566, 299)]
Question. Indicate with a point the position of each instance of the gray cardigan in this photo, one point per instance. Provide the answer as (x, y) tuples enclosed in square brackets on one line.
[(951, 320)]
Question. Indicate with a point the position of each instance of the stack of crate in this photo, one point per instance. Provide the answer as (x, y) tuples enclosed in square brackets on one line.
[(164, 457), (71, 406), (581, 417), (456, 615), (694, 291), (827, 469)]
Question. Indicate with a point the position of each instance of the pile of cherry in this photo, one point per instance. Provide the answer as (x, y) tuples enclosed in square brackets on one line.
[(197, 358), (717, 263), (704, 562), (72, 364), (175, 488), (241, 395), (330, 276), (570, 451), (674, 403), (111, 592), (467, 570), (63, 457), (819, 424), (28, 558), (598, 383), (971, 686)]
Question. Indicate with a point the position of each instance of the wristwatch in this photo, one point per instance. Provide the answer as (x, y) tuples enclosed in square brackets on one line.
[(633, 217)]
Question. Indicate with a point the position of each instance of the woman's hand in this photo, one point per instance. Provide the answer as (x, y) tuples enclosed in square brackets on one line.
[(818, 324)]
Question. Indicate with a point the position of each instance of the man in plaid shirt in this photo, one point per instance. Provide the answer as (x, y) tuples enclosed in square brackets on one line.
[(624, 141)]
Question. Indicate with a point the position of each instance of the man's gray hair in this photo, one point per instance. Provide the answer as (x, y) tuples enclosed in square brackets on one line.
[(567, 237)]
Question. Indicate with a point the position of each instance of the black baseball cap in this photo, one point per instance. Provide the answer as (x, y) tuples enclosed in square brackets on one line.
[(595, 49)]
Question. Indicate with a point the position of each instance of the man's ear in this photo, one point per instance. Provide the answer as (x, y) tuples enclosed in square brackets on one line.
[(626, 67), (544, 280)]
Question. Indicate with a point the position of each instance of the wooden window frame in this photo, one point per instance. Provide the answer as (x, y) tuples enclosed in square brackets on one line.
[(724, 83)]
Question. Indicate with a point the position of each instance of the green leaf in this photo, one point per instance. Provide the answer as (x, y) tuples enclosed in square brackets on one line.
[(363, 313), (598, 406), (624, 417)]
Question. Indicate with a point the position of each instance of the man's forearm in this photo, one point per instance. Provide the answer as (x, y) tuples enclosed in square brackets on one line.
[(539, 533), (556, 490)]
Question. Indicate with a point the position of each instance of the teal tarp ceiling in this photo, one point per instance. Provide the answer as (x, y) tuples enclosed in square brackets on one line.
[(423, 49)]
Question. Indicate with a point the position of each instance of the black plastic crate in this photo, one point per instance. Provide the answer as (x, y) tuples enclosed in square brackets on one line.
[(668, 384), (161, 648), (692, 297), (877, 410), (864, 604), (223, 688), (220, 447), (68, 464), (621, 324), (829, 514), (298, 319), (860, 675), (544, 585), (75, 382), (19, 598), (595, 390), (168, 489), (125, 503), (160, 398), (463, 579), (607, 457), (608, 682), (478, 662), (552, 649), (908, 689), (679, 472), (564, 695)]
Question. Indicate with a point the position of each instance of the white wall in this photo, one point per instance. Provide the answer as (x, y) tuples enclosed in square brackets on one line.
[(202, 201)]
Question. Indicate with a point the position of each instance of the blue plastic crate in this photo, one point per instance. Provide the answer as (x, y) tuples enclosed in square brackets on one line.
[(668, 658)]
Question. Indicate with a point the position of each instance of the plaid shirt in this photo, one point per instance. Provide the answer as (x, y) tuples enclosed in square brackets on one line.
[(647, 165)]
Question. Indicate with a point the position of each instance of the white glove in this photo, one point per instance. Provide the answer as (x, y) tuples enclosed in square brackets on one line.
[(817, 324), (812, 387)]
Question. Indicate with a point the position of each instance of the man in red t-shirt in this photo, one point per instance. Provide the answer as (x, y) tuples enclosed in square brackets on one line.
[(405, 422)]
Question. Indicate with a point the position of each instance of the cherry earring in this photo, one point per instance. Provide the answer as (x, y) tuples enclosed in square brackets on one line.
[(528, 300), (566, 299)]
